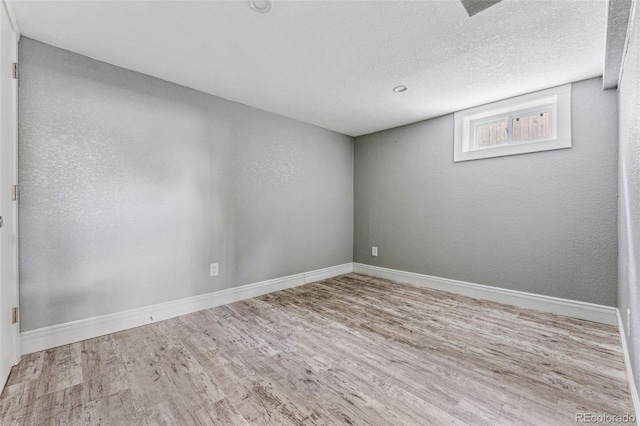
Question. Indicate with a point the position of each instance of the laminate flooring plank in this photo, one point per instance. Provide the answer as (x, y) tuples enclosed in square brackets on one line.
[(558, 380), (110, 410), (18, 400), (300, 353), (243, 375), (61, 369), (61, 407), (383, 366), (164, 373), (355, 350), (347, 350), (349, 355), (255, 367), (104, 367), (29, 368), (383, 342)]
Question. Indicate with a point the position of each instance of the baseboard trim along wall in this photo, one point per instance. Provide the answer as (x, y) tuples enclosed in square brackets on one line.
[(571, 308), (554, 305), (76, 331), (633, 391)]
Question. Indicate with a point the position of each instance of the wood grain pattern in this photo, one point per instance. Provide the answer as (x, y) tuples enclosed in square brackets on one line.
[(348, 350), (530, 126)]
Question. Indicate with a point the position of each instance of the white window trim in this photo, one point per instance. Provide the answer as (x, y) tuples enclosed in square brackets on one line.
[(556, 100)]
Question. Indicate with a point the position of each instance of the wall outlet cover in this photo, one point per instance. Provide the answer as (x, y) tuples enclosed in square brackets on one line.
[(214, 270)]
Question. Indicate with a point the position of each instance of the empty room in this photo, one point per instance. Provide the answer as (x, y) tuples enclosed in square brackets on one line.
[(272, 212)]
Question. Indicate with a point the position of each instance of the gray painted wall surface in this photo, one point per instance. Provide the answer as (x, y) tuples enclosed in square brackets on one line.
[(543, 222), (629, 198), (131, 186)]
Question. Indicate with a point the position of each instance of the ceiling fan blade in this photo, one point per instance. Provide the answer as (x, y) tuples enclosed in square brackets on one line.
[(477, 6)]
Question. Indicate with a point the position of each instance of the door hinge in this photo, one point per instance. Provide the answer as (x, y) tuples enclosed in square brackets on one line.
[(14, 315), (15, 70), (14, 193)]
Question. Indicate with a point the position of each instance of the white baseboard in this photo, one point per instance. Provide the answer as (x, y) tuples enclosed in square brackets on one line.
[(571, 308), (554, 305), (75, 331), (633, 391)]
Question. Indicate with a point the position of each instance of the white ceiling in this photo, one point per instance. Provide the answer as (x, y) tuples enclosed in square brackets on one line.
[(335, 63)]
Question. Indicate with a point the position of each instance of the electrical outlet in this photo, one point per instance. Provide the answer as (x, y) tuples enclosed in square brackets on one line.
[(628, 323), (213, 271), (374, 251)]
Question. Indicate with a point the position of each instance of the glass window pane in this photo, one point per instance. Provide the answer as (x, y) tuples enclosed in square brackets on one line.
[(492, 133), (530, 126)]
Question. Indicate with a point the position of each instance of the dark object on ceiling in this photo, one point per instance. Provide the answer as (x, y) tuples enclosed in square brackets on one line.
[(477, 6)]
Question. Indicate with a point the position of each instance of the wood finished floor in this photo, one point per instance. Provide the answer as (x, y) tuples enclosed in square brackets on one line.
[(348, 350)]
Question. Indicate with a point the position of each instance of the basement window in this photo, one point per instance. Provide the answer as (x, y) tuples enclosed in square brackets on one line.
[(539, 121)]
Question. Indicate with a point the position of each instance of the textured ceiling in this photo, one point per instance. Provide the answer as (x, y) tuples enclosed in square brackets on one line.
[(335, 63)]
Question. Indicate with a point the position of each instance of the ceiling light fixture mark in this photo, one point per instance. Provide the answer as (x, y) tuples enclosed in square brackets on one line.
[(400, 89), (260, 6)]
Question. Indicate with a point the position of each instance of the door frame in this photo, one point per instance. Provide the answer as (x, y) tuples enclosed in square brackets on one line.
[(14, 352)]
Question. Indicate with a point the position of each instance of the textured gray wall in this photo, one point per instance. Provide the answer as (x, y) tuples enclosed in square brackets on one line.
[(543, 223), (131, 186), (629, 195)]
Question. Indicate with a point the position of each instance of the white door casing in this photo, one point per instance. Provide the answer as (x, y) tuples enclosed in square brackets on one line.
[(9, 332)]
